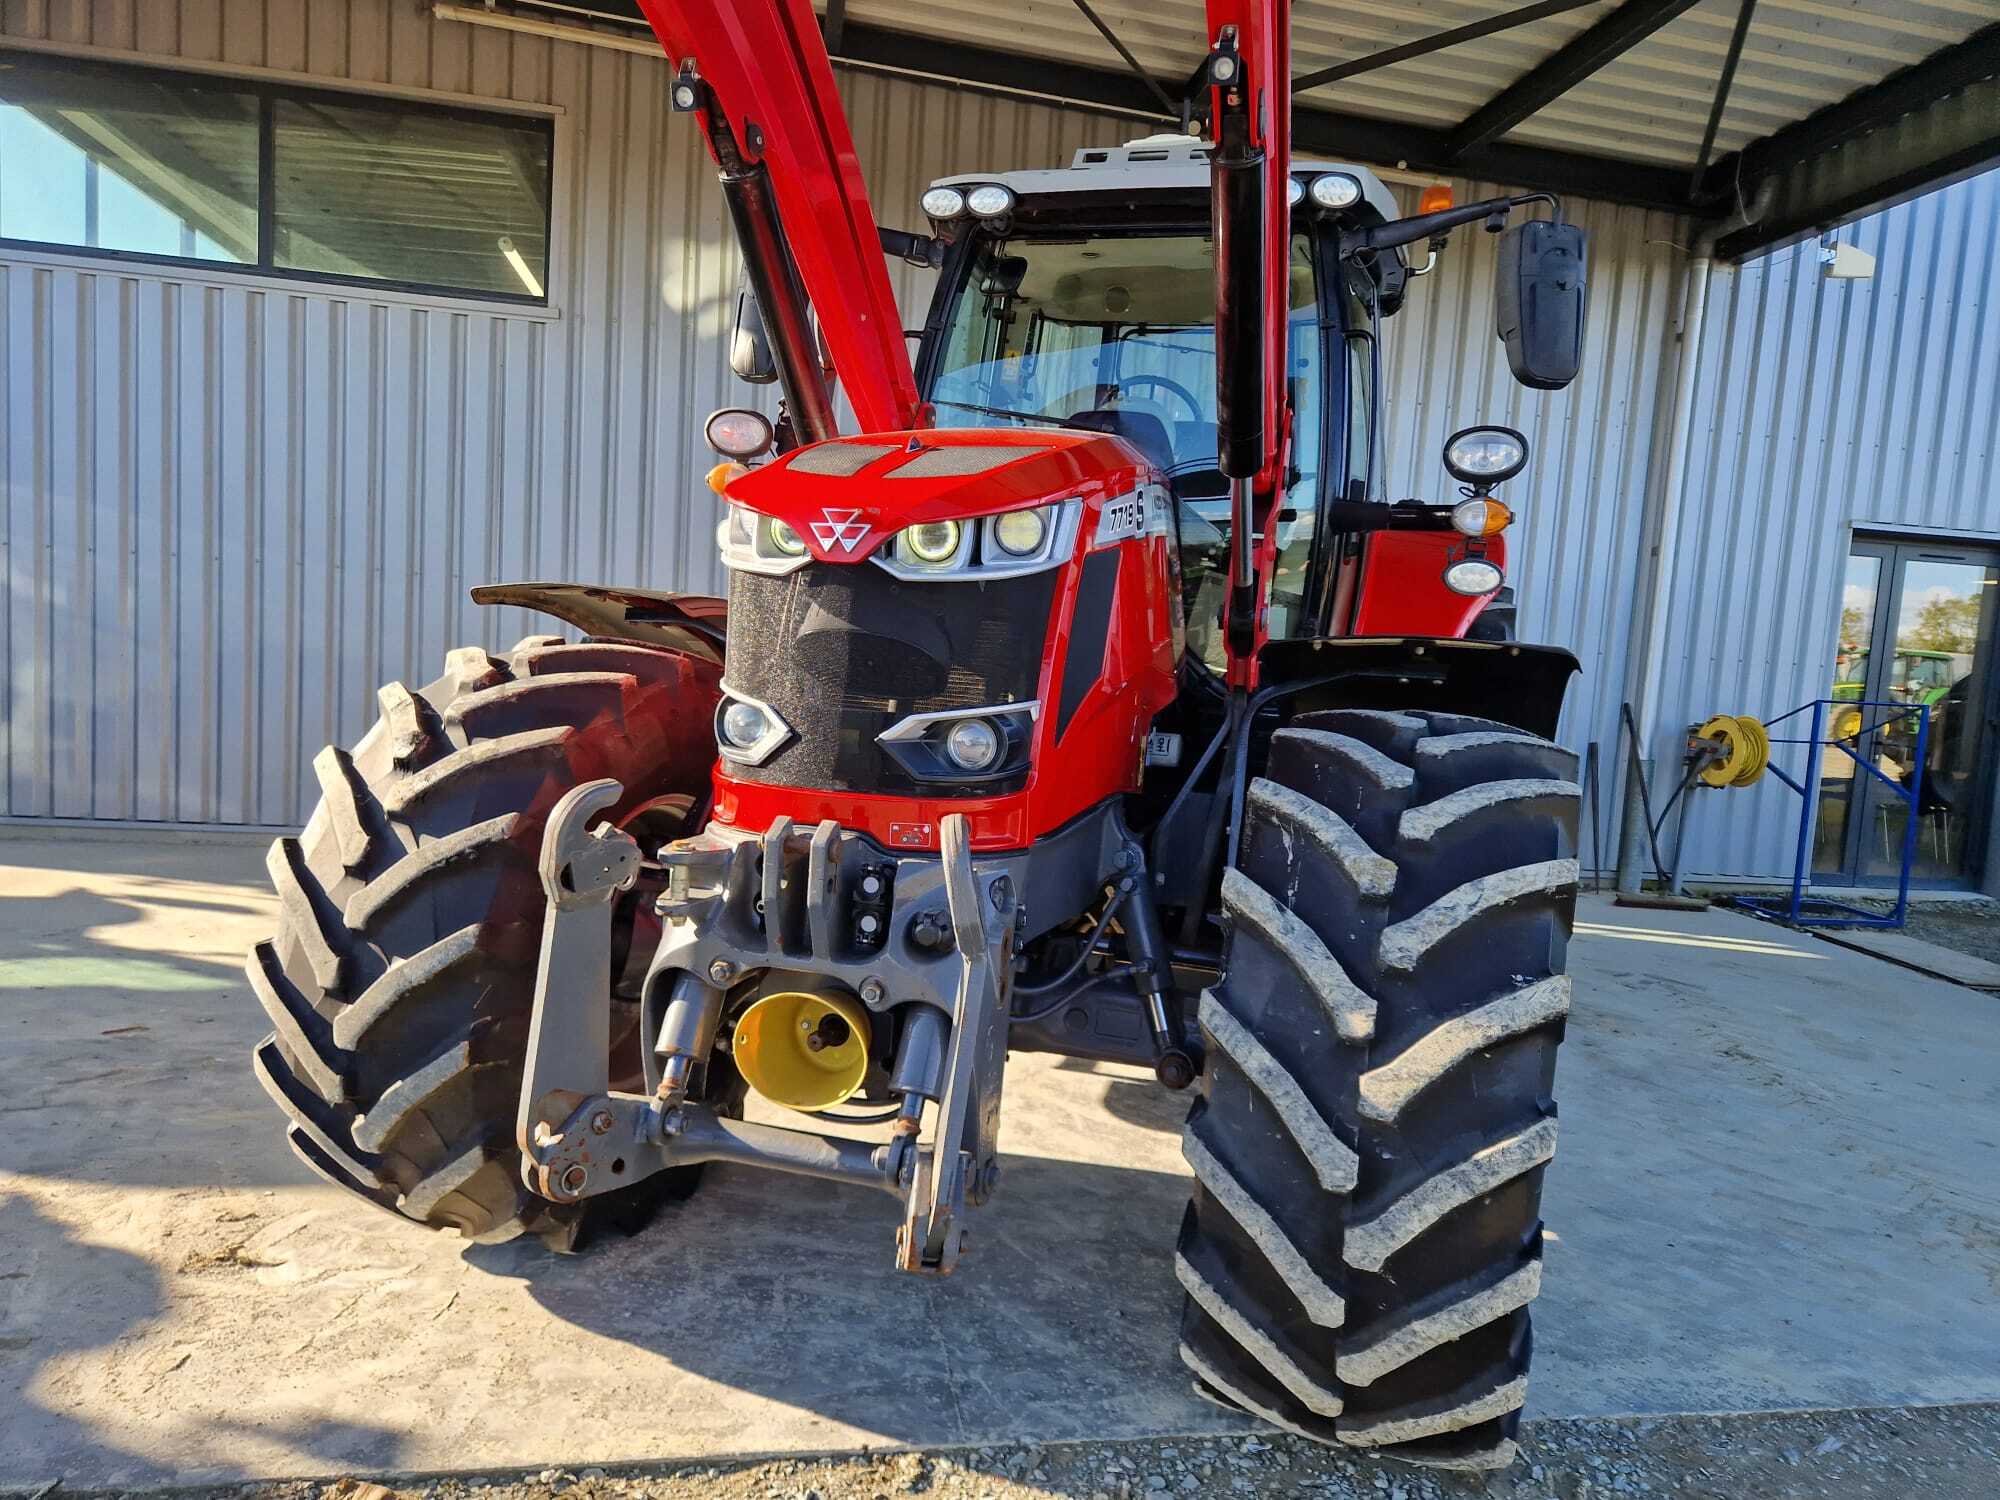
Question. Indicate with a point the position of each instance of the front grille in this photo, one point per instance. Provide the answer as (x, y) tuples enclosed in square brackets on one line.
[(844, 651)]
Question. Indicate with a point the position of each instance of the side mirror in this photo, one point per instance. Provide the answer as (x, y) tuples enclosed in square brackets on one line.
[(749, 346), (1004, 277), (1539, 302)]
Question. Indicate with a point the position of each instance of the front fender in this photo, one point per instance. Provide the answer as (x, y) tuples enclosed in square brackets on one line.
[(1504, 680), (693, 623)]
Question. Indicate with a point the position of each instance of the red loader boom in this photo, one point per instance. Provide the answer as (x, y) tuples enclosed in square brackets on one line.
[(756, 75)]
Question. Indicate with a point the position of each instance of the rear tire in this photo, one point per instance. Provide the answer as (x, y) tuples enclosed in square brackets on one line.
[(400, 980), (1376, 1106)]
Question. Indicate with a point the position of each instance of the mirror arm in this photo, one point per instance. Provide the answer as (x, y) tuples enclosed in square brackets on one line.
[(1399, 232), (924, 251)]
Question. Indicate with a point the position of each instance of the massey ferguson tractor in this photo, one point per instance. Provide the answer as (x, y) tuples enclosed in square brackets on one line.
[(1089, 698)]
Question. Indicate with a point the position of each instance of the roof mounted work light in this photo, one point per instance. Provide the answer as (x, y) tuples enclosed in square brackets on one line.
[(989, 200), (942, 203), (1335, 190)]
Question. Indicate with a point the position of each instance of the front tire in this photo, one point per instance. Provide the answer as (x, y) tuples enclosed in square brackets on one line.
[(400, 981), (1376, 1106)]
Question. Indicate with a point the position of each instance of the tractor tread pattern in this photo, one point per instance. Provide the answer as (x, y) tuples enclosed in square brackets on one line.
[(1455, 1315), (391, 1111), (1392, 1000), (414, 870), (400, 979), (1370, 1242), (1388, 1089), (1322, 1303), (1333, 1160), (482, 758), (1316, 1396), (333, 767), (305, 1033), (1351, 1008)]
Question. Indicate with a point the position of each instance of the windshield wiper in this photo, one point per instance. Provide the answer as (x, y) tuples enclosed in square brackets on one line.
[(1041, 418)]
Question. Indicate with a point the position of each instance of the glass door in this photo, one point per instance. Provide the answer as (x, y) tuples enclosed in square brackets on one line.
[(1918, 627)]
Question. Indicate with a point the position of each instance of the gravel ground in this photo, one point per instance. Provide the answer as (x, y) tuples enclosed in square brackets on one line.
[(1964, 926), (1938, 1453), (1969, 926)]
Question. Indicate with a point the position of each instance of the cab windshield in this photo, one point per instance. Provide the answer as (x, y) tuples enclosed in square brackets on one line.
[(1043, 329)]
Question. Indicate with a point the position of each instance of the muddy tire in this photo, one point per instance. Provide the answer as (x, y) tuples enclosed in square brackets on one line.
[(1376, 1105), (400, 980)]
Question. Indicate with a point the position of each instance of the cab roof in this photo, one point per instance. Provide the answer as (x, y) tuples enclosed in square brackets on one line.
[(1157, 162)]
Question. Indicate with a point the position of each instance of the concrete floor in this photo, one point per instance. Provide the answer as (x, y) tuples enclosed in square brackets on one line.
[(1778, 1187)]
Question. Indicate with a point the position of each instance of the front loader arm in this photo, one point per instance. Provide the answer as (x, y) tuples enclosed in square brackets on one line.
[(767, 103), (1251, 111)]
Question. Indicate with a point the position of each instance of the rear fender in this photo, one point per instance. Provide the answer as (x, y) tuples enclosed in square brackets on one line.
[(696, 624)]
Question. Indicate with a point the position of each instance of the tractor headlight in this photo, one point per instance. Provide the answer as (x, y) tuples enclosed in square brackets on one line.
[(1335, 190), (748, 731), (972, 745), (990, 200), (1009, 544), (759, 544), (1020, 533), (942, 203), (1294, 192), (932, 543), (743, 724), (1473, 576), (963, 744)]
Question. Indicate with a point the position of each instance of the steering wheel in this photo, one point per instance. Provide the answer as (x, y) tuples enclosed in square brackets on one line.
[(1172, 387)]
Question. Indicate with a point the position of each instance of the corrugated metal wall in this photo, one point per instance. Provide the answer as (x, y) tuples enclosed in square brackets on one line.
[(233, 507), (1825, 407)]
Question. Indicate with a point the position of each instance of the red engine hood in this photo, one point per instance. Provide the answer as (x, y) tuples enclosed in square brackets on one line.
[(848, 495)]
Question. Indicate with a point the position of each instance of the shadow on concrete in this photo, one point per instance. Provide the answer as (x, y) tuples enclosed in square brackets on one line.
[(1135, 1099), (100, 1011), (1060, 1321), (64, 1302)]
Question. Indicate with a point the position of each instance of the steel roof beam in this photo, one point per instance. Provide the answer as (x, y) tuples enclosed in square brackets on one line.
[(1861, 173), (1437, 41), (1317, 131), (1562, 71), (1721, 101), (1314, 131), (1920, 128), (1138, 70)]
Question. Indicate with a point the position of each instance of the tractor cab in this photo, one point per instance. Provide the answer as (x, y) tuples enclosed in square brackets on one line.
[(1084, 297)]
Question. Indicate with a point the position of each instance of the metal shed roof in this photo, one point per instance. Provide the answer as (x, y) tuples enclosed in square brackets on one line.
[(1843, 105)]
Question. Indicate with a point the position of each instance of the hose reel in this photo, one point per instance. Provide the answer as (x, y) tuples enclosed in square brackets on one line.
[(1735, 749)]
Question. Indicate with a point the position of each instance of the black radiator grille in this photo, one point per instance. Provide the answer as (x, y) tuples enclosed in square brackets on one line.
[(844, 651)]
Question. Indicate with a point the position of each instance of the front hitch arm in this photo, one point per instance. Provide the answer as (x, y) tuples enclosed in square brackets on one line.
[(569, 1041), (960, 1168), (579, 1137)]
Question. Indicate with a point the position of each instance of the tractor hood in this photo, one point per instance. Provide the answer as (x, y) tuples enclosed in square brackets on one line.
[(845, 497)]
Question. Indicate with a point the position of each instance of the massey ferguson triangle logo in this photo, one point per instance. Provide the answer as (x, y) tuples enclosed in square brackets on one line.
[(841, 531)]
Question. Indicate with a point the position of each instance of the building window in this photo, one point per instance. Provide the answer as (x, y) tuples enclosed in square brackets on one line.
[(190, 168)]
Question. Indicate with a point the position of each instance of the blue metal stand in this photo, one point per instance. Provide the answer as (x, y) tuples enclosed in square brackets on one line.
[(1822, 911)]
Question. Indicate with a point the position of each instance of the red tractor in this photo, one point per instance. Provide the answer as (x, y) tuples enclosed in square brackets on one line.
[(1087, 700)]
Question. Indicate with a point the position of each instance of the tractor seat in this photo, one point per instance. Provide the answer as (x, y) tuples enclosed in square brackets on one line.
[(1141, 429)]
